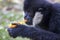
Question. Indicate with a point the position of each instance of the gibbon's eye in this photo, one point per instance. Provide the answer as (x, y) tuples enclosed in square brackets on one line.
[(40, 9)]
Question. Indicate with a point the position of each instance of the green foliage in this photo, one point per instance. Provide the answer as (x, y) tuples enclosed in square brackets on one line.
[(5, 19)]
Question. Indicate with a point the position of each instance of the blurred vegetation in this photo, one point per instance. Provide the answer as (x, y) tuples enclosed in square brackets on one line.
[(5, 19), (10, 11)]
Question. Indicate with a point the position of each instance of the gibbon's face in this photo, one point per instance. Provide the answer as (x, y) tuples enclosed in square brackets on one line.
[(33, 19), (29, 17)]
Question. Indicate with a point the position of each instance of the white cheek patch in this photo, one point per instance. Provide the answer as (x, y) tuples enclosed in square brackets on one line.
[(53, 1), (37, 18)]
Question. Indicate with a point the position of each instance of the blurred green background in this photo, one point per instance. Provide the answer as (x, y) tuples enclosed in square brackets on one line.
[(10, 11)]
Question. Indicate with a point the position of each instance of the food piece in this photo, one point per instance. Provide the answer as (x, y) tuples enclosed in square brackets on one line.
[(12, 25)]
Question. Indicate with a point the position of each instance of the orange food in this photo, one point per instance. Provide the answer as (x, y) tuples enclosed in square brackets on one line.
[(12, 26), (22, 22), (25, 20)]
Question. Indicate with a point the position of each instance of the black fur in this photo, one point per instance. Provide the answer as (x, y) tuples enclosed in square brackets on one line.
[(51, 14), (49, 26)]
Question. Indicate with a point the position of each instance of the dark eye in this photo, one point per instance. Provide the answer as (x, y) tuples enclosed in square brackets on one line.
[(40, 9)]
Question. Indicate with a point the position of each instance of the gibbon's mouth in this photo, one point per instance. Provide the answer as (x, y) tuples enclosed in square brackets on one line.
[(28, 22)]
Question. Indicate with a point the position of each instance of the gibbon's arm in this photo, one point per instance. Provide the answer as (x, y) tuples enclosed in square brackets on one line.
[(32, 32)]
